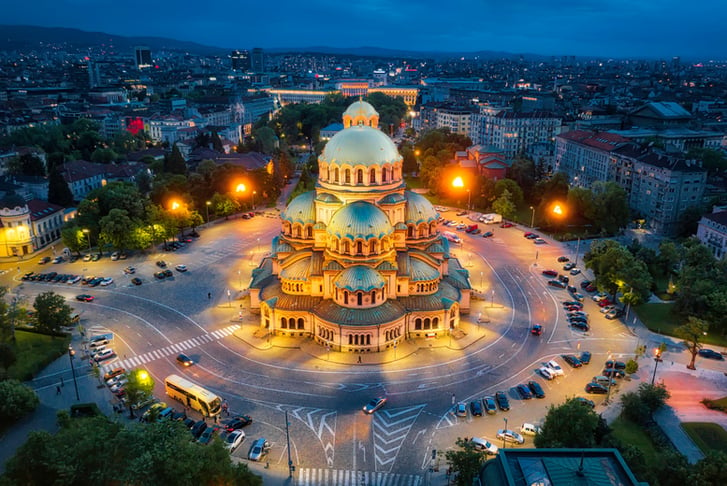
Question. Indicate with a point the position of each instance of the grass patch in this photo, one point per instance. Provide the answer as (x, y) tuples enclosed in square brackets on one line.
[(630, 433), (658, 318), (35, 351), (719, 404), (414, 183), (708, 436)]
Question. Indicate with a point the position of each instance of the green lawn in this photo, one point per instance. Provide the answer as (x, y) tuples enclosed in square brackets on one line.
[(630, 433), (658, 318), (413, 183), (708, 436), (34, 352)]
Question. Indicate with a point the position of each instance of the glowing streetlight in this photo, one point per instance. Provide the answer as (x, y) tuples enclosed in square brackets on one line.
[(71, 354), (143, 375), (532, 218), (240, 188), (175, 205), (458, 182), (88, 235), (558, 210), (207, 207), (253, 200)]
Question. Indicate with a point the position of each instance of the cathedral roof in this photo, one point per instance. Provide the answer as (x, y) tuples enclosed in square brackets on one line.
[(327, 198), (299, 270), (392, 198), (389, 311), (359, 277), (420, 271), (419, 209), (359, 219), (360, 145), (302, 209), (360, 108)]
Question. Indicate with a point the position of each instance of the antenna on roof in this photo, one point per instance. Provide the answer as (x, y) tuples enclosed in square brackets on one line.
[(580, 472)]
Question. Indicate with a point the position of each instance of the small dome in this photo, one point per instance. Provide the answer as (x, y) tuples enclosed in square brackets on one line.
[(302, 209), (360, 146), (11, 200), (359, 277), (421, 272), (327, 198), (393, 198), (359, 219), (361, 109), (419, 209)]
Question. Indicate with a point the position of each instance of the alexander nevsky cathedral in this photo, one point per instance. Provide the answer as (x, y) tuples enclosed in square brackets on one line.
[(359, 264)]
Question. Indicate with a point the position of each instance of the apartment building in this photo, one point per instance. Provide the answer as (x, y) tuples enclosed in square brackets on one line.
[(513, 132), (712, 232)]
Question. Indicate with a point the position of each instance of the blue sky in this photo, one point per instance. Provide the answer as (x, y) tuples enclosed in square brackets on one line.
[(608, 28)]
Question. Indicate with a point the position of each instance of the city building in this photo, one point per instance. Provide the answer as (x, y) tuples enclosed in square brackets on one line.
[(712, 232), (240, 60), (359, 264), (444, 115), (662, 114), (83, 177), (46, 220), (285, 96), (143, 57), (257, 60), (513, 132), (584, 156), (17, 235)]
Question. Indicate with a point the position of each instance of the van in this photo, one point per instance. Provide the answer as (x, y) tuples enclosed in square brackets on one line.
[(529, 429)]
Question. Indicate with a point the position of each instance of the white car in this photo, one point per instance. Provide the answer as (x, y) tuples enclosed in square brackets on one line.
[(118, 385), (232, 440), (74, 279), (599, 297), (607, 309), (374, 405), (546, 373), (104, 355), (107, 281), (510, 436), (181, 268), (555, 368), (484, 445)]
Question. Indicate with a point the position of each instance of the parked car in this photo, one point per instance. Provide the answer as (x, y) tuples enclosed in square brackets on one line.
[(555, 367), (596, 388), (614, 373), (476, 408), (232, 440), (198, 428), (483, 445), (85, 298), (524, 392), (129, 270), (490, 406), (572, 360), (603, 380), (374, 405), (529, 429), (258, 449), (557, 283), (136, 281), (580, 325), (546, 373), (506, 225), (563, 259), (575, 271), (614, 314), (510, 436), (539, 241), (181, 268), (502, 401), (113, 373), (461, 410), (536, 389), (550, 273), (161, 264), (710, 354), (208, 434), (569, 266), (237, 422), (619, 365), (585, 401), (104, 355)]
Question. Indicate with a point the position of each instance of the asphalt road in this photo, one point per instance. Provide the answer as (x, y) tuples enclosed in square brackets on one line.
[(156, 320)]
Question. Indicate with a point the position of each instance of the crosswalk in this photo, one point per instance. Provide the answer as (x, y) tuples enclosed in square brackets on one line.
[(176, 348), (344, 477)]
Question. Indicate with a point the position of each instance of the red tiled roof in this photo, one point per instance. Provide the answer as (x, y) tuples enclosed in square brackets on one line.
[(40, 209), (600, 140)]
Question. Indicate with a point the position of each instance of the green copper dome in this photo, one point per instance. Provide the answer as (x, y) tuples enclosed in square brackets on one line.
[(421, 272), (419, 209), (327, 198), (359, 219), (361, 278), (360, 145), (302, 209), (393, 198)]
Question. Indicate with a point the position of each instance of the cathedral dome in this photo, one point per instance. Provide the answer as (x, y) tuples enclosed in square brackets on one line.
[(359, 220), (302, 209), (361, 108), (360, 145), (419, 209), (359, 277)]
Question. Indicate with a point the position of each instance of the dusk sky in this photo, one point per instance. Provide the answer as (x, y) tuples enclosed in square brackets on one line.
[(609, 28)]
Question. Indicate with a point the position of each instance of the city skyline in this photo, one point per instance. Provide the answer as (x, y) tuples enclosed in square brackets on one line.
[(585, 28)]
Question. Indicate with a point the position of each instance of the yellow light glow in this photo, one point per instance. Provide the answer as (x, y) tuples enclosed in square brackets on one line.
[(240, 188), (143, 375), (458, 182), (175, 205)]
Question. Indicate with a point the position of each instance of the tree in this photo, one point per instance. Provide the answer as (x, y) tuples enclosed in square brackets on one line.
[(616, 269), (640, 405), (688, 221), (464, 463), (692, 333), (104, 156), (16, 401), (610, 208), (509, 185), (52, 312), (709, 470), (632, 366), (504, 206), (174, 162), (58, 190), (27, 164), (116, 228), (139, 388), (568, 425)]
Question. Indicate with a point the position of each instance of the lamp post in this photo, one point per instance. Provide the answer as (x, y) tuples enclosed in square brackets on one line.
[(492, 300), (578, 250), (207, 208), (291, 468), (71, 352), (253, 200), (229, 294), (657, 358), (532, 217), (88, 235), (504, 444), (482, 279), (610, 378), (469, 200)]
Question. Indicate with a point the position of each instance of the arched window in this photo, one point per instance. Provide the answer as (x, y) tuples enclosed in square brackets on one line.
[(427, 323), (335, 174), (384, 175), (346, 246), (372, 176), (345, 296), (418, 324), (372, 246), (359, 247), (301, 323), (368, 339), (359, 298), (410, 231), (309, 231), (373, 296), (284, 323), (359, 176), (350, 339), (435, 323), (347, 176)]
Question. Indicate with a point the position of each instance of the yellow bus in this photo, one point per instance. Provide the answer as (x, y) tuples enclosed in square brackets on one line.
[(193, 396)]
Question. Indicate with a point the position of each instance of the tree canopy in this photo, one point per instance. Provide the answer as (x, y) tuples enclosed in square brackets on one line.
[(570, 424)]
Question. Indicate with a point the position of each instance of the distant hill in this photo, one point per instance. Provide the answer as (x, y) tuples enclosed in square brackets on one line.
[(25, 37)]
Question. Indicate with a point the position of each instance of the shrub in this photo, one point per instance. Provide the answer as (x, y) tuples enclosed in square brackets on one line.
[(16, 400)]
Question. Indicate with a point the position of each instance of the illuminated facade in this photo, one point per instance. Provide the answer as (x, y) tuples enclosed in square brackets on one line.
[(359, 264), (16, 230)]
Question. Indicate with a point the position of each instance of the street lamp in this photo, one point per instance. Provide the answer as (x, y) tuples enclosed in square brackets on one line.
[(88, 235), (482, 277), (207, 208), (532, 218), (71, 352), (657, 358), (469, 199), (492, 301), (239, 276), (253, 200), (504, 432)]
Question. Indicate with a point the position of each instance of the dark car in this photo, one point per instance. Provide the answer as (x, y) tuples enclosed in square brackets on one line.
[(571, 303), (585, 401), (198, 428), (536, 330), (162, 264), (615, 373), (84, 298), (136, 281), (710, 354), (550, 273), (563, 279), (563, 259), (536, 389), (580, 325), (556, 283), (571, 360), (502, 401), (168, 273), (208, 434), (476, 408), (189, 422), (585, 284), (237, 422), (524, 392), (585, 357), (490, 406), (619, 365), (184, 360), (596, 388)]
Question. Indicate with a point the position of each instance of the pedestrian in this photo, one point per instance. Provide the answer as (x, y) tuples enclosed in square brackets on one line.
[(359, 359), (226, 408), (58, 390), (62, 384), (209, 295), (215, 418)]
